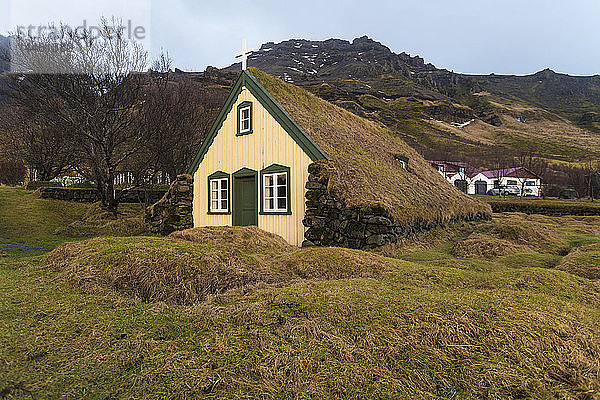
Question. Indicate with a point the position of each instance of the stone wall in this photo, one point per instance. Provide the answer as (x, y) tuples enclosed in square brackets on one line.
[(331, 223), (90, 195), (69, 194), (174, 211)]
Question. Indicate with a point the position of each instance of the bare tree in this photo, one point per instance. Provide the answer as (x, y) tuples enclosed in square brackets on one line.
[(12, 170), (97, 81), (177, 113), (41, 143), (591, 175)]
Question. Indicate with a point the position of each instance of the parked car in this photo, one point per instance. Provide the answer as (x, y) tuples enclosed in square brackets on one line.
[(568, 194), (504, 191)]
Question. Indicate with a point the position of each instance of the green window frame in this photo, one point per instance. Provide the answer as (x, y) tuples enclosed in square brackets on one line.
[(272, 201), (223, 194), (242, 119)]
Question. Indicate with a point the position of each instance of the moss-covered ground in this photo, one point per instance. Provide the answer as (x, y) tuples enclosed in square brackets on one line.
[(423, 319)]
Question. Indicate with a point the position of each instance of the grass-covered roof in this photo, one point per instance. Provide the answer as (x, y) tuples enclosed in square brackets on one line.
[(364, 160)]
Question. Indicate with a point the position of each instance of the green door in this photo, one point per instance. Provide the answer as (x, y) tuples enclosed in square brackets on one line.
[(245, 203)]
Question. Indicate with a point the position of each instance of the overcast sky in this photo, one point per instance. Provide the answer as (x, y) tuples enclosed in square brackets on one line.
[(470, 36)]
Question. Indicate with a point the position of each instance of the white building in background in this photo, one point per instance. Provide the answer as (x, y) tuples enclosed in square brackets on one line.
[(528, 183), (470, 180)]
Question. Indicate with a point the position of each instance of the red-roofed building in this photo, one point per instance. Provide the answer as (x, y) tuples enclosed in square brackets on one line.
[(459, 174), (472, 181)]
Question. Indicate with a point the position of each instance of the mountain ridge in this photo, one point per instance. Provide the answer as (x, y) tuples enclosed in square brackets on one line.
[(558, 114)]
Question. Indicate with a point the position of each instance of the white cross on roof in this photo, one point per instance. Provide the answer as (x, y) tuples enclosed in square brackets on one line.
[(244, 55)]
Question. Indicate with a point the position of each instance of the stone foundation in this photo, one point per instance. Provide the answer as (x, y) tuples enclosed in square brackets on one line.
[(174, 211), (331, 223)]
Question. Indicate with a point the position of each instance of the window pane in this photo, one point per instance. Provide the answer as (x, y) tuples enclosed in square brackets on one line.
[(214, 205), (281, 191), (269, 204), (268, 180), (224, 204), (214, 185), (223, 183), (281, 203), (224, 194), (269, 192), (245, 119), (281, 179)]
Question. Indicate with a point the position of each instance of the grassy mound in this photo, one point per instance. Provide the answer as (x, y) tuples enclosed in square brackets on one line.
[(192, 265), (98, 222), (486, 246), (532, 235), (247, 238), (583, 261), (513, 233), (157, 269)]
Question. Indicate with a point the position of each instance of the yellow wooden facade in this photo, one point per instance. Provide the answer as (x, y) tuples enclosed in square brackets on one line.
[(268, 144)]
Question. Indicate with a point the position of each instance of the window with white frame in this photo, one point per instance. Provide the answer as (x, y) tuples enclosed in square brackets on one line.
[(275, 190), (245, 119), (219, 195)]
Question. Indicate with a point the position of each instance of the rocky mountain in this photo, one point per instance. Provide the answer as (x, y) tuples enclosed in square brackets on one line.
[(334, 58), (555, 116)]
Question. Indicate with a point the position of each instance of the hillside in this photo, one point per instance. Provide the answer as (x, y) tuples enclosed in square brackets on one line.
[(555, 116)]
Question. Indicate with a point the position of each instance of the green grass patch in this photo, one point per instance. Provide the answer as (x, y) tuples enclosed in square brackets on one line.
[(530, 260), (30, 221)]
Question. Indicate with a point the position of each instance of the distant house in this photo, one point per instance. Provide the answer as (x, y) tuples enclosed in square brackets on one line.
[(295, 165), (528, 182), (459, 174), (470, 180)]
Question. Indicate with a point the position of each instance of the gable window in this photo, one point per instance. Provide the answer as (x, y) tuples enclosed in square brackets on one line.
[(244, 116), (244, 119), (218, 193), (275, 190)]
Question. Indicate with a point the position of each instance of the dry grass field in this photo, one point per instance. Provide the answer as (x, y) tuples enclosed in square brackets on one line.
[(237, 313)]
